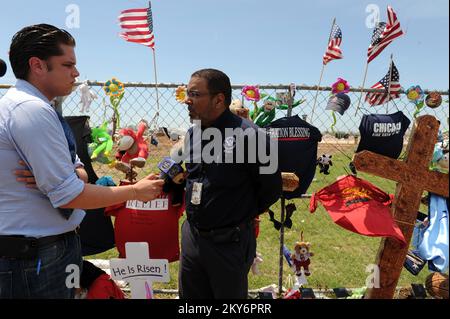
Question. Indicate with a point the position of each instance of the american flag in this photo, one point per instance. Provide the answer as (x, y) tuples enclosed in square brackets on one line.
[(333, 51), (137, 25), (376, 98), (384, 34)]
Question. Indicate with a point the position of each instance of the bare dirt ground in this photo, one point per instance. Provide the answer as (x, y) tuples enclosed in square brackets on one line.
[(331, 145)]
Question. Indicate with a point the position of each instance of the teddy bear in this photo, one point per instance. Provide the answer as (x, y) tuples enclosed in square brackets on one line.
[(301, 258), (324, 163)]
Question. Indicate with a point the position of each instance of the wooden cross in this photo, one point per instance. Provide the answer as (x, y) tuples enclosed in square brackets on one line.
[(413, 177), (139, 270)]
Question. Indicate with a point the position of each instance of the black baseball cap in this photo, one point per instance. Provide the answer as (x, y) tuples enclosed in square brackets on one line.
[(339, 103)]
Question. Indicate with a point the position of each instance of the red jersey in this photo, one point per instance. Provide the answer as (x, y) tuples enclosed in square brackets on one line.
[(154, 222)]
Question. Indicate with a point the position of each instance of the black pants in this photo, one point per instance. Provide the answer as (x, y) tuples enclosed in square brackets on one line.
[(211, 270)]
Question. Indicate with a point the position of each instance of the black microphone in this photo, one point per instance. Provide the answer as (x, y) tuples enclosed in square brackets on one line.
[(2, 68)]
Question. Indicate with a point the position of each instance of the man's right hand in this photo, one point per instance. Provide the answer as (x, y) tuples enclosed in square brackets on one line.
[(25, 175), (148, 188)]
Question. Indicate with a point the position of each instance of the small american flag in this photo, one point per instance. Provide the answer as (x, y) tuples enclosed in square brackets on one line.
[(137, 25), (384, 34), (333, 51), (376, 98)]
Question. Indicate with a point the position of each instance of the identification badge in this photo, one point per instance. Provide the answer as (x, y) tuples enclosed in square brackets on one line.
[(196, 197)]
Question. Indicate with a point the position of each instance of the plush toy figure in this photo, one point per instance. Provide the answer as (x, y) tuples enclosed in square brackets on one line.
[(102, 142), (237, 108), (132, 145), (301, 258), (440, 160), (267, 114), (324, 163), (442, 163), (174, 179), (173, 134), (87, 96), (256, 261)]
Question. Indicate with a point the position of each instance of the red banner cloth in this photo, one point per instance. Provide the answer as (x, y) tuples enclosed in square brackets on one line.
[(358, 206)]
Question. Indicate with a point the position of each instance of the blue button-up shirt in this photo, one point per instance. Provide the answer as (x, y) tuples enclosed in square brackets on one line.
[(30, 130)]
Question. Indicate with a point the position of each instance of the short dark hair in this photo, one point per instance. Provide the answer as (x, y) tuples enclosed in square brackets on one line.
[(39, 40), (218, 82)]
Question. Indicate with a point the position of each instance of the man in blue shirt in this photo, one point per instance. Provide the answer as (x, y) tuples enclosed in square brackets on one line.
[(37, 225)]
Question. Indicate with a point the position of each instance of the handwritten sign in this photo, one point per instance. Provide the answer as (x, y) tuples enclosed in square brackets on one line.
[(139, 270)]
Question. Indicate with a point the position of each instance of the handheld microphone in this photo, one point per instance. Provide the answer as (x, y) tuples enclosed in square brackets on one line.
[(2, 68)]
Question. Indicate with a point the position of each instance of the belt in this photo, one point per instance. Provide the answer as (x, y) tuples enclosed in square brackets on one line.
[(215, 231), (42, 241), (21, 247)]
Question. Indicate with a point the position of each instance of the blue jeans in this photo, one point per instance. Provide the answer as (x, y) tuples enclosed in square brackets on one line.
[(20, 278)]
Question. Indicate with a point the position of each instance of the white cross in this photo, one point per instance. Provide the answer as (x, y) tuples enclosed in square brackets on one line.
[(139, 270)]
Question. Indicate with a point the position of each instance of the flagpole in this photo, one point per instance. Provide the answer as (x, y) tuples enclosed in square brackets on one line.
[(317, 92), (321, 73), (156, 88), (362, 88), (389, 85)]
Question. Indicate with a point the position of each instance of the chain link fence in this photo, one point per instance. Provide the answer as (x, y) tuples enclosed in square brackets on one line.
[(341, 140), (140, 102)]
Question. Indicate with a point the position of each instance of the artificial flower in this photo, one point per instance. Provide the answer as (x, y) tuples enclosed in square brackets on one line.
[(251, 93), (415, 94), (181, 94), (340, 86), (113, 87)]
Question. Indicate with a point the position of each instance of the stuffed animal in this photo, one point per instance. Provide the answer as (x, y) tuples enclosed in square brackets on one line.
[(237, 108), (324, 163), (266, 114), (87, 96), (173, 134), (436, 285), (174, 178), (256, 261), (132, 146), (301, 258), (440, 160), (102, 142)]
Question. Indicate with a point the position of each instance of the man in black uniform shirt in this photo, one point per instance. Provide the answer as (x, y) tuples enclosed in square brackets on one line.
[(223, 197)]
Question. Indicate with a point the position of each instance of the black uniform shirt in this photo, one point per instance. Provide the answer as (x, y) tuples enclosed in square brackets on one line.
[(232, 193), (383, 133), (297, 149)]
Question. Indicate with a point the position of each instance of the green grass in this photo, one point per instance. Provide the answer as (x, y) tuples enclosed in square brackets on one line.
[(340, 257)]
